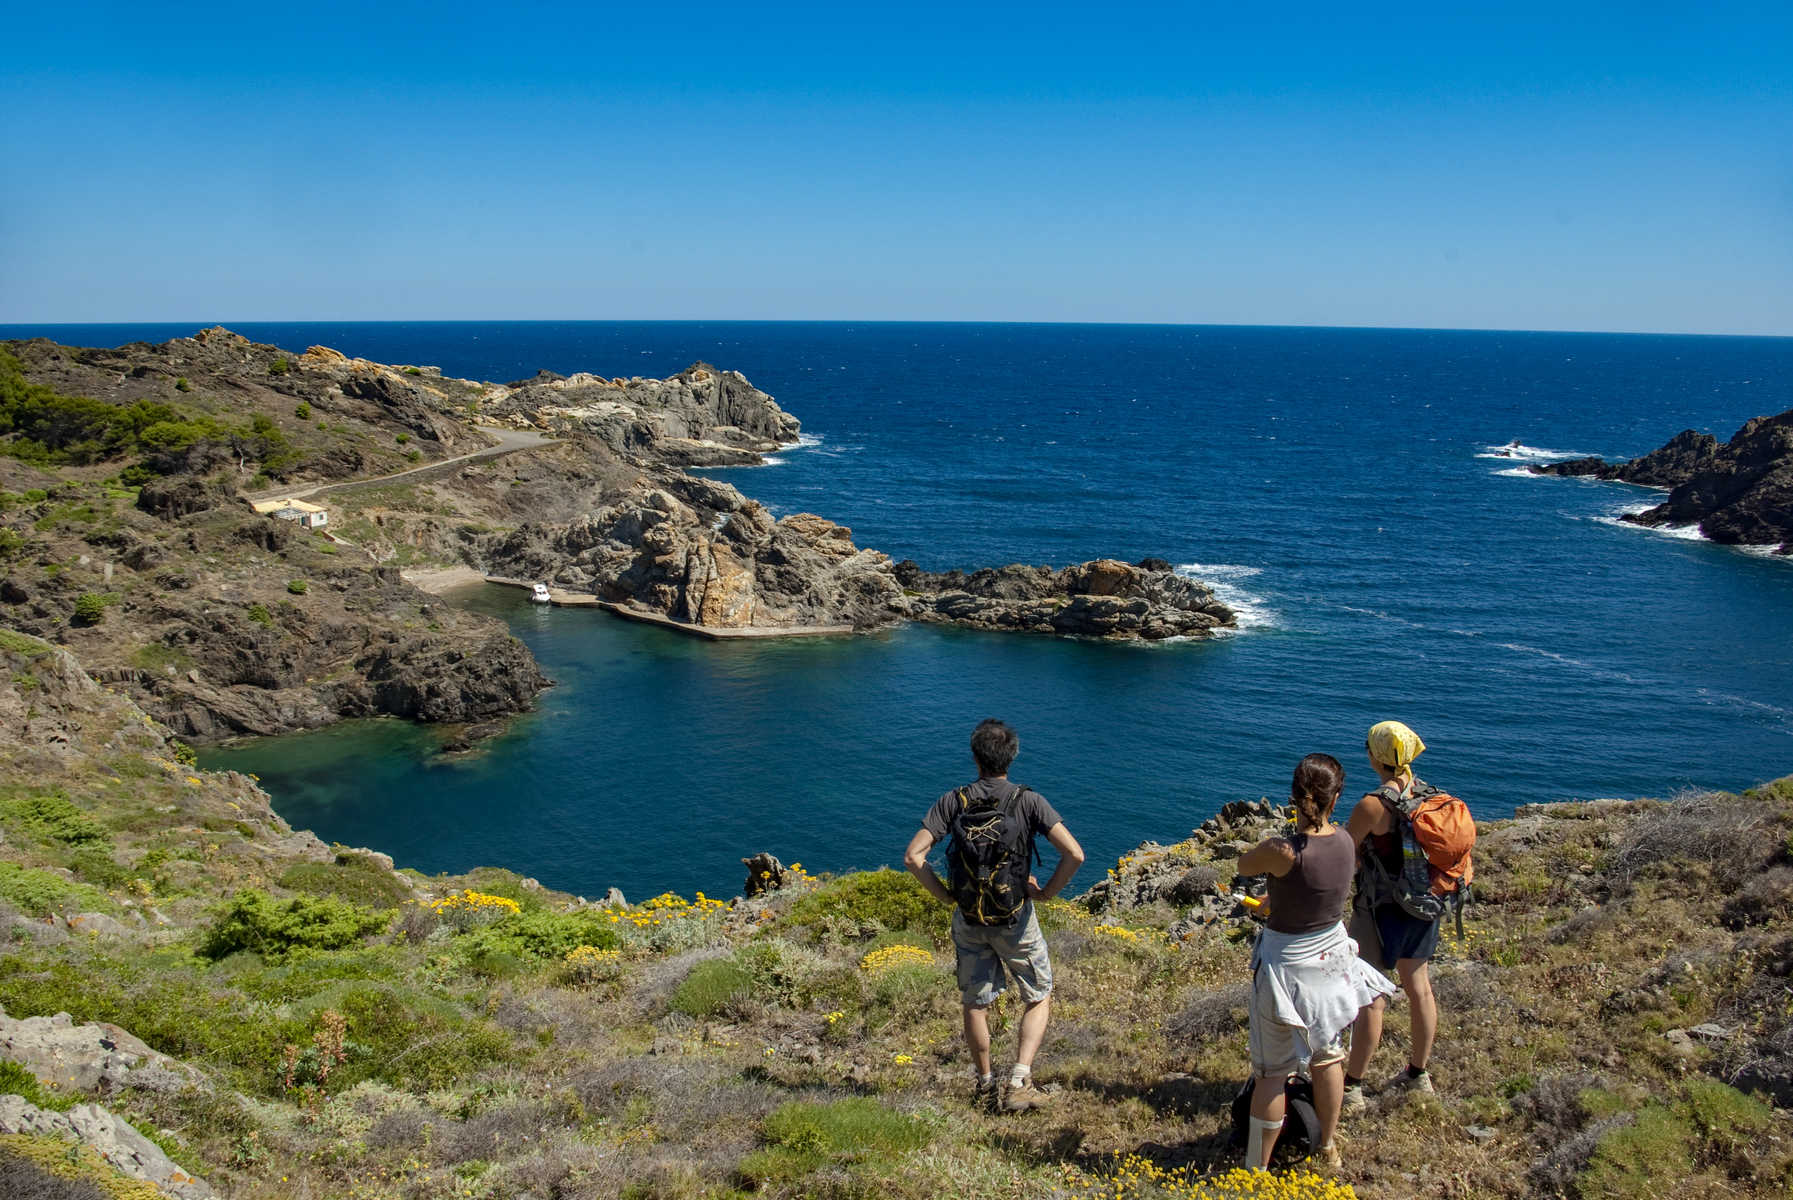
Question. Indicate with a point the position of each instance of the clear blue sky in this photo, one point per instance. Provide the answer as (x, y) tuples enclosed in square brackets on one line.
[(1551, 166)]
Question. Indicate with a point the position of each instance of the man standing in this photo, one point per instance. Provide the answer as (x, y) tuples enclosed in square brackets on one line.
[(990, 827)]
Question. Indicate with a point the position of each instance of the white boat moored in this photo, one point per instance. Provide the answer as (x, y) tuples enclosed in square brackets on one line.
[(539, 594)]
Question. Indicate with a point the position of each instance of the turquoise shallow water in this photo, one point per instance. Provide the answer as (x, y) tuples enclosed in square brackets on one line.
[(1336, 483)]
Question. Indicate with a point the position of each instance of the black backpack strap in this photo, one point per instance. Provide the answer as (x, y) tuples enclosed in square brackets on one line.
[(1034, 858)]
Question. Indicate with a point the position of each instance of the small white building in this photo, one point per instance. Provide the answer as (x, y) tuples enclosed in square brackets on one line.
[(311, 516)]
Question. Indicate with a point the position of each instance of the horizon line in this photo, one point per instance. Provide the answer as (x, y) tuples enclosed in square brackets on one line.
[(4, 324)]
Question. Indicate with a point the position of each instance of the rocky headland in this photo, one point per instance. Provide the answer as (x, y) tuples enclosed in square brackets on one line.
[(1739, 493), (126, 530)]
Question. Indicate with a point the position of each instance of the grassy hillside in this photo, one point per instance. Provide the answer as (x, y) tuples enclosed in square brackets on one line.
[(363, 1032)]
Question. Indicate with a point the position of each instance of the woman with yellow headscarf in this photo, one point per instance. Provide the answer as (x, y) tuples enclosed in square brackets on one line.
[(1387, 935)]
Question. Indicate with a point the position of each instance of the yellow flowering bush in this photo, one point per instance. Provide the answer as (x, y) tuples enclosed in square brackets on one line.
[(668, 921), (588, 964), (468, 909), (895, 956), (1131, 1177)]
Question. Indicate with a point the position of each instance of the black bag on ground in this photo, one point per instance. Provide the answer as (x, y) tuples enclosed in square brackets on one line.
[(989, 857), (1300, 1124)]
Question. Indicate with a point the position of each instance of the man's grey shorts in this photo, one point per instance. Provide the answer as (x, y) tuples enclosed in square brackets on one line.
[(984, 950)]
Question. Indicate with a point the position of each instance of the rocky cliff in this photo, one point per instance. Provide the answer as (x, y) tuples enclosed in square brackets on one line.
[(1738, 493), (700, 417), (222, 622)]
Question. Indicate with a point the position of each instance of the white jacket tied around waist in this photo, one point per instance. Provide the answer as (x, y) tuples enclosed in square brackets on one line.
[(1307, 989)]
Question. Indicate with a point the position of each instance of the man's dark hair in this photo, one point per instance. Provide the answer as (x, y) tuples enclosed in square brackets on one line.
[(994, 745)]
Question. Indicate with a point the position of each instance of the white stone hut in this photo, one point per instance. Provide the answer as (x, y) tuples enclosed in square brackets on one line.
[(311, 516)]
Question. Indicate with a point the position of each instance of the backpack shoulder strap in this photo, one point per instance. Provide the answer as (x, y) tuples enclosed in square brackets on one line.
[(1033, 843)]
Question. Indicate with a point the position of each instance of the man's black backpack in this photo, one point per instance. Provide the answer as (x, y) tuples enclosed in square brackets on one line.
[(989, 857), (1300, 1125)]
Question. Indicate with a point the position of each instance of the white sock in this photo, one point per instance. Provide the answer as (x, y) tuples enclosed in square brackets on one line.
[(1020, 1075), (1254, 1145), (984, 1081)]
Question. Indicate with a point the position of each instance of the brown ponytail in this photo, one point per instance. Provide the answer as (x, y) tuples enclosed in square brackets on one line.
[(1319, 778)]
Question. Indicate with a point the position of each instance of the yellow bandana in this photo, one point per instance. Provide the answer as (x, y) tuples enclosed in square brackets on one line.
[(1394, 745)]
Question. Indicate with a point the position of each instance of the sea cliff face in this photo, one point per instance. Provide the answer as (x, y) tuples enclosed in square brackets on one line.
[(1739, 492)]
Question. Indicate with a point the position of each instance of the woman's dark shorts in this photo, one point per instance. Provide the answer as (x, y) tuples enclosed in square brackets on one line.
[(1404, 936)]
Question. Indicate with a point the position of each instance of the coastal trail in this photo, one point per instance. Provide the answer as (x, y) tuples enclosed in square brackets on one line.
[(509, 442)]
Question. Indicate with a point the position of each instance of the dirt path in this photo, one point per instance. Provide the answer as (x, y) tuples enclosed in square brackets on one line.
[(509, 442)]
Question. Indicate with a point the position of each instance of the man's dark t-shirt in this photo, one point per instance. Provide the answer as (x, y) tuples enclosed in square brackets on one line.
[(1039, 815)]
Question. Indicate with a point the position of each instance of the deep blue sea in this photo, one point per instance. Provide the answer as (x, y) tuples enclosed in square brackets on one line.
[(1336, 485)]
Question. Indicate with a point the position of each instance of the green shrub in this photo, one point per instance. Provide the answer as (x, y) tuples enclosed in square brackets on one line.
[(413, 455), (413, 371), (297, 587), (539, 934), (909, 988), (1724, 1118), (1652, 1153), (52, 817), (255, 921), (159, 657), (259, 613), (871, 902), (41, 893), (90, 609), (403, 438), (802, 1137), (162, 998), (181, 385), (367, 886), (11, 541), (794, 977), (279, 366), (406, 1037), (17, 1081), (711, 985), (303, 411)]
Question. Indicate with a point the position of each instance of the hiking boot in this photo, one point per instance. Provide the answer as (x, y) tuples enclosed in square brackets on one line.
[(1024, 1097), (1354, 1103), (1407, 1083), (986, 1096), (1329, 1156)]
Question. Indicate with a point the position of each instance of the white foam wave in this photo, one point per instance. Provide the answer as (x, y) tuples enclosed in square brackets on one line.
[(1683, 533), (1252, 610), (1519, 472), (1519, 452), (806, 440), (772, 460)]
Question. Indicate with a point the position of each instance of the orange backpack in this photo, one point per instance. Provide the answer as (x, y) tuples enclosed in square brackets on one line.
[(1446, 832), (1437, 834)]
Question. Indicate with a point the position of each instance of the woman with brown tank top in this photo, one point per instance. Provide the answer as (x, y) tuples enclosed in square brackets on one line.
[(1307, 982)]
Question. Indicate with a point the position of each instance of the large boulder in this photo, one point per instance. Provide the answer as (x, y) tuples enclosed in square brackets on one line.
[(112, 1137)]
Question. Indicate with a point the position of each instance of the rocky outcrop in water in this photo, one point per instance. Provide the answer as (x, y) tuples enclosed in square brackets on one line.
[(1104, 598), (697, 551), (1738, 493), (700, 417)]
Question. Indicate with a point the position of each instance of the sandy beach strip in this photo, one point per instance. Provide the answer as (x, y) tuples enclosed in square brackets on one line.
[(437, 580)]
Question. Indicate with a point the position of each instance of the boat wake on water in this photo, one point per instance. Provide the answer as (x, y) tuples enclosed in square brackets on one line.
[(1520, 452), (1579, 665)]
